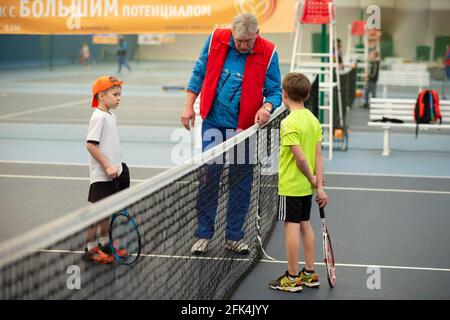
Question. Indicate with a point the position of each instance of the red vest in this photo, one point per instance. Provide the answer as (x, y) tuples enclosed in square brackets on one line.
[(447, 59), (255, 70)]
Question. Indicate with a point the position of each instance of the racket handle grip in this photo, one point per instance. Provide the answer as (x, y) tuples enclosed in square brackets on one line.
[(322, 213)]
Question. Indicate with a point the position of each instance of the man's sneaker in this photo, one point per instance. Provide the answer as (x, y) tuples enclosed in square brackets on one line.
[(98, 256), (199, 246), (310, 280), (283, 283), (236, 246)]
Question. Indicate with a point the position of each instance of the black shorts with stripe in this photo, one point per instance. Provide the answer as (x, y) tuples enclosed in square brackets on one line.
[(294, 209), (102, 189)]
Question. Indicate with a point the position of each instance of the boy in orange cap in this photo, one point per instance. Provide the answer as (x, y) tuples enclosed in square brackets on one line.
[(108, 174)]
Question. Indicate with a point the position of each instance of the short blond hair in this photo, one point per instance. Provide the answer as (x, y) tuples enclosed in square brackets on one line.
[(244, 24)]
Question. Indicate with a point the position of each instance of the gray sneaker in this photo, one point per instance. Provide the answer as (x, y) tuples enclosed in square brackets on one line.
[(237, 246), (199, 246)]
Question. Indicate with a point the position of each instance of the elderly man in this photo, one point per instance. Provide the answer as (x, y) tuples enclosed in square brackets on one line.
[(238, 76)]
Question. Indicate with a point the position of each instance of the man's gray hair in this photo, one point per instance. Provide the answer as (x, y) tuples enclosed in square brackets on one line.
[(244, 24)]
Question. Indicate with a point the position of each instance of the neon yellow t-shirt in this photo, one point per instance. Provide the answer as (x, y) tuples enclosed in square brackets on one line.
[(299, 128)]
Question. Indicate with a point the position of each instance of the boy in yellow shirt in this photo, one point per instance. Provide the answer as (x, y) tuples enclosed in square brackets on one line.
[(300, 171)]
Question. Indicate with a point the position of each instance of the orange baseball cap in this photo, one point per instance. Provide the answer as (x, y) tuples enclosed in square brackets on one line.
[(101, 84)]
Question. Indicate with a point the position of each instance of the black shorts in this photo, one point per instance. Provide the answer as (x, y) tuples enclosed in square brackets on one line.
[(294, 209), (102, 189)]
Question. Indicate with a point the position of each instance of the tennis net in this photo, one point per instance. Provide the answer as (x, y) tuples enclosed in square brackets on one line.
[(48, 263)]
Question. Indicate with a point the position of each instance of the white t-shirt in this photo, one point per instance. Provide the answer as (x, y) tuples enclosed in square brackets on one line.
[(103, 129)]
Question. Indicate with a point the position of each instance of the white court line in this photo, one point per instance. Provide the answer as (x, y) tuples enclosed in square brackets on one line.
[(376, 190), (388, 190), (77, 164), (157, 256), (142, 180), (17, 176), (367, 266), (264, 260), (62, 105), (138, 123), (385, 175)]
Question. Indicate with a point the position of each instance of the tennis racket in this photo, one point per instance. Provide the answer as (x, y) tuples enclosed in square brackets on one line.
[(328, 256), (124, 238)]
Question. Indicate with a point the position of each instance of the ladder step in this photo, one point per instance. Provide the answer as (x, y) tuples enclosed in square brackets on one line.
[(327, 84), (325, 143), (324, 107), (310, 71), (325, 125), (316, 64), (305, 54)]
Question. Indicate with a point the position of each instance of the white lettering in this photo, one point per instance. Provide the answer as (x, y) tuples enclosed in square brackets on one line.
[(35, 11), (73, 22), (374, 281), (173, 11), (74, 280), (64, 11), (134, 11), (181, 152), (50, 9), (24, 9), (193, 310), (126, 11), (164, 12), (96, 8), (198, 10), (269, 157), (82, 8), (189, 11), (111, 7), (155, 11), (215, 135), (374, 21), (12, 12), (206, 11)]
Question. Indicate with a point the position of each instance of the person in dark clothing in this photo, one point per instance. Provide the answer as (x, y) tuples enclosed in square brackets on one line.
[(122, 54), (340, 55), (372, 77), (447, 70)]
